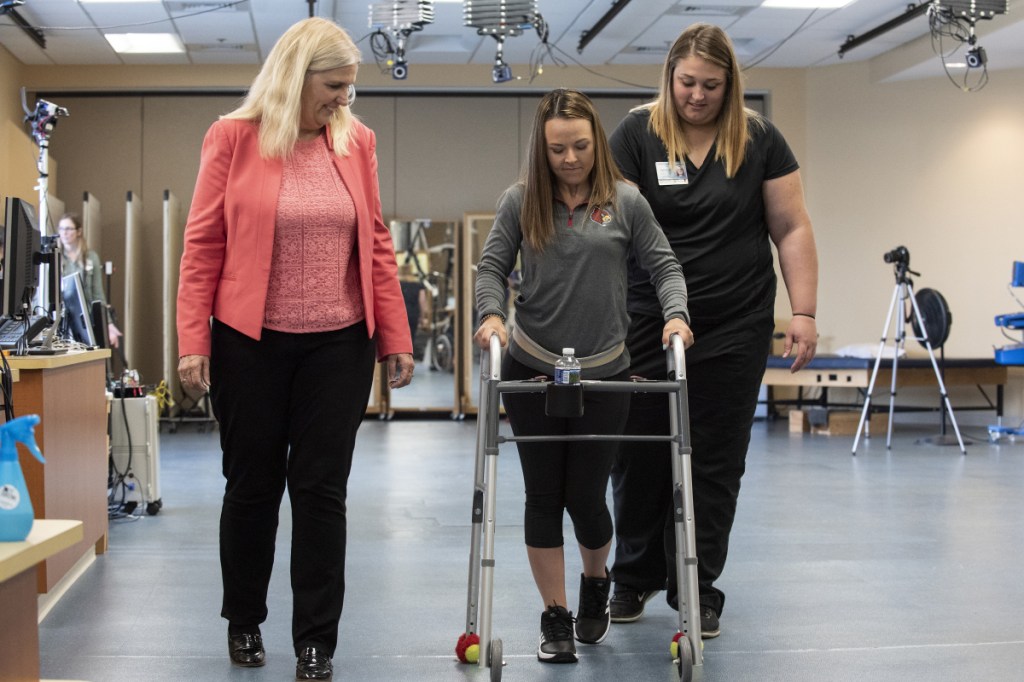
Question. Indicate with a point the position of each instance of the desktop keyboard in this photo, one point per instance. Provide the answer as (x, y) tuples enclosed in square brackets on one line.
[(12, 329)]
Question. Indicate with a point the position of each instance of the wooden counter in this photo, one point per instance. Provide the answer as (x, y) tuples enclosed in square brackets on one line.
[(19, 603), (67, 391)]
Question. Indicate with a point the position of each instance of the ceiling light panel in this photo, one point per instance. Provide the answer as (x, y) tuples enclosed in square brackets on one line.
[(144, 43)]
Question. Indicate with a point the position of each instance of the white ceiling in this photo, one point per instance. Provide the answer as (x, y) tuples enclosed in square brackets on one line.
[(226, 32)]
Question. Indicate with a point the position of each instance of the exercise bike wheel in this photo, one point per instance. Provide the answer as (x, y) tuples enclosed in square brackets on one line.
[(495, 661), (442, 355), (685, 661)]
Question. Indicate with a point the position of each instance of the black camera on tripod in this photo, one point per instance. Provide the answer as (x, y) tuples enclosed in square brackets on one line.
[(899, 256)]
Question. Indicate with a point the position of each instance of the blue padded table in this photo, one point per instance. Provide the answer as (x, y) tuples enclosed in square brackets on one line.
[(834, 371)]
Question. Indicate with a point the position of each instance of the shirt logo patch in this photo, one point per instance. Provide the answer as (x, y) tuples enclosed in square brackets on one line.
[(601, 216)]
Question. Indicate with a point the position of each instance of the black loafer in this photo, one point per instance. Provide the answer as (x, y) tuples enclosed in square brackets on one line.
[(247, 650), (314, 664)]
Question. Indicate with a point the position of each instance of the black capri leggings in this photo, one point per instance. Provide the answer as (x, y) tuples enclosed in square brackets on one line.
[(562, 475)]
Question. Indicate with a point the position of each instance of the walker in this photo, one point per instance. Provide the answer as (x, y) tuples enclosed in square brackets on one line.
[(477, 644)]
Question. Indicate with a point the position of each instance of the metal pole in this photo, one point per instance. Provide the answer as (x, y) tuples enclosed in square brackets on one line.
[(874, 372), (899, 343)]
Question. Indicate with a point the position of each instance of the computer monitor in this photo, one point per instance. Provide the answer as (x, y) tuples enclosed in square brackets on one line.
[(100, 321), (77, 313), (21, 243)]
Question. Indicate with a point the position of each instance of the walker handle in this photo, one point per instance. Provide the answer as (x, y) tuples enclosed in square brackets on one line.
[(492, 361), (676, 357)]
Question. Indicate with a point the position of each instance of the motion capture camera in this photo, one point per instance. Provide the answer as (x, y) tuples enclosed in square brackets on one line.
[(44, 119), (976, 57), (899, 256), (501, 72), (400, 70)]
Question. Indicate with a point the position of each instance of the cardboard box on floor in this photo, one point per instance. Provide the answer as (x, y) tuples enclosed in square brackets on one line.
[(831, 422)]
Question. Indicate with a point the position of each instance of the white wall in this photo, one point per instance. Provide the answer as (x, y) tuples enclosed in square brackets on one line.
[(927, 166)]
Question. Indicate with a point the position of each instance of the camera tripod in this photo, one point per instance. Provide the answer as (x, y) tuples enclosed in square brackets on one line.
[(898, 317)]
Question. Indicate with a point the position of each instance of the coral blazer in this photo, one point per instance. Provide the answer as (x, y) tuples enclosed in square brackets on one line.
[(229, 240)]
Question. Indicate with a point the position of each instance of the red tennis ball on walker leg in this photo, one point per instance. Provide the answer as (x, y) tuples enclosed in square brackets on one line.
[(468, 648), (674, 646)]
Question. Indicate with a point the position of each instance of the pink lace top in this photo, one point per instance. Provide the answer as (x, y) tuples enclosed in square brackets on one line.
[(314, 272)]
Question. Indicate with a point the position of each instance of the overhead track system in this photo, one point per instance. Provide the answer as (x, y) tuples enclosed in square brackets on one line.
[(913, 11), (591, 33), (7, 8)]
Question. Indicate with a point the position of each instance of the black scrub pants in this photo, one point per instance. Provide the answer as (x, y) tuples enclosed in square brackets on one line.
[(289, 407), (724, 369)]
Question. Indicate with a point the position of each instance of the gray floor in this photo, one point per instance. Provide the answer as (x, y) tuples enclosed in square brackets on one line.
[(901, 565)]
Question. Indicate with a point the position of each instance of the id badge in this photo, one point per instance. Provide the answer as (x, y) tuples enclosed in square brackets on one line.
[(671, 174)]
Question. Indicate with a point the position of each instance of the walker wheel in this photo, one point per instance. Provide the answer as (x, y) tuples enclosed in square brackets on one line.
[(494, 661), (685, 661)]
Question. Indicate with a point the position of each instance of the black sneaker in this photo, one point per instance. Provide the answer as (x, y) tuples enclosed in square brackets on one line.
[(708, 623), (593, 618), (628, 604), (556, 643)]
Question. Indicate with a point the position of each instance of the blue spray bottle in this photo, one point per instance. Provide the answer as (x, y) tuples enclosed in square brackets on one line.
[(15, 506)]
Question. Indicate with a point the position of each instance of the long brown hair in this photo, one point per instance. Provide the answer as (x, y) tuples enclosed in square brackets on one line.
[(537, 216), (711, 44)]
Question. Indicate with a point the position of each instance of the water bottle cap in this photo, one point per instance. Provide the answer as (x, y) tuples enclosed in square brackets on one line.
[(568, 351)]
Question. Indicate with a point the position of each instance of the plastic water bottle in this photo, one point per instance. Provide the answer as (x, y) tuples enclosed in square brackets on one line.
[(567, 368)]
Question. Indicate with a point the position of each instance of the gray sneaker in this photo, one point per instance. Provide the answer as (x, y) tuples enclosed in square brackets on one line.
[(556, 642), (628, 604), (592, 618)]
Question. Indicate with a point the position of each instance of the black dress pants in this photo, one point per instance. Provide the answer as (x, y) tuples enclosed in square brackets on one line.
[(289, 407), (724, 369)]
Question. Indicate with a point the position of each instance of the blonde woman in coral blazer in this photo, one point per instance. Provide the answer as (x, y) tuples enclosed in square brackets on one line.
[(286, 250), (230, 237)]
